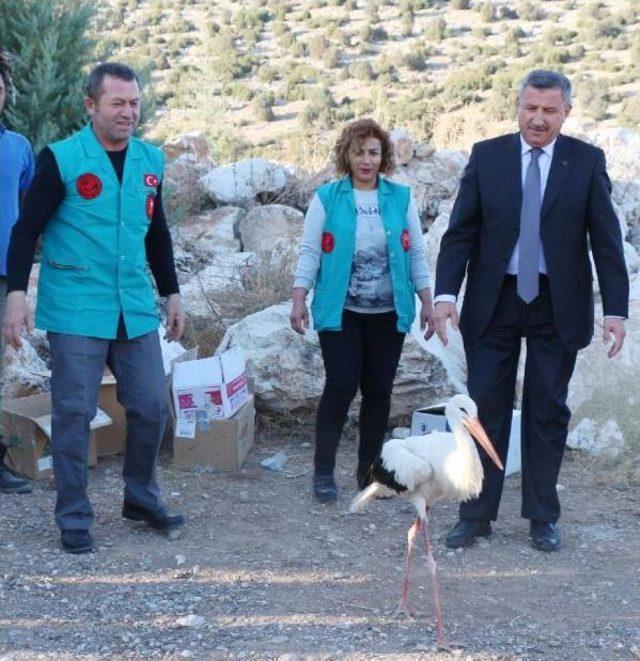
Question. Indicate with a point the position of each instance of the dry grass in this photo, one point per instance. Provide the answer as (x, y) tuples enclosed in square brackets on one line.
[(267, 280)]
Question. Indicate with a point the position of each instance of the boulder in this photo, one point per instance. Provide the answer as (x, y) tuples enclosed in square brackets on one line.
[(403, 146), (215, 231), (288, 373), (193, 145), (605, 389), (245, 181), (200, 294), (605, 440), (432, 180), (263, 228)]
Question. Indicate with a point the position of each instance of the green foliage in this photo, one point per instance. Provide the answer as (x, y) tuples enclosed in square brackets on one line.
[(261, 108), (530, 10), (48, 71)]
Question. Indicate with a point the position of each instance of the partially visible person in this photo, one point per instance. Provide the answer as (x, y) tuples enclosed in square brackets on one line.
[(97, 199), (362, 253), (16, 171)]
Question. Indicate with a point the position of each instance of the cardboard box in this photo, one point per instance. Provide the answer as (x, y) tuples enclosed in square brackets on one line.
[(222, 444), (217, 385), (431, 418), (27, 434)]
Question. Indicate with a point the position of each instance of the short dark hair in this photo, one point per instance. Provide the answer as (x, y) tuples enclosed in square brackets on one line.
[(93, 86), (357, 132), (545, 79)]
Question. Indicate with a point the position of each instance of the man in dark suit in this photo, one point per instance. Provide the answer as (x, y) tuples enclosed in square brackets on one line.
[(529, 207)]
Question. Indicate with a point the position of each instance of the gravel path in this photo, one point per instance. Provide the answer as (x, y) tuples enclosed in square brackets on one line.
[(263, 572)]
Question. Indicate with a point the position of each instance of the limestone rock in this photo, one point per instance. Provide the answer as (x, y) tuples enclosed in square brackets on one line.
[(212, 232), (605, 440), (244, 181), (288, 372), (193, 145), (402, 145), (263, 228)]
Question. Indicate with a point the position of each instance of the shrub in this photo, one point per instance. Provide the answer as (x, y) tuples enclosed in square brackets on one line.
[(436, 29), (630, 113), (261, 109), (529, 10)]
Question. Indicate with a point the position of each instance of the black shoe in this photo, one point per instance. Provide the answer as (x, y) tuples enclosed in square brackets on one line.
[(162, 519), (324, 488), (10, 483), (76, 541), (464, 533), (544, 536), (362, 476)]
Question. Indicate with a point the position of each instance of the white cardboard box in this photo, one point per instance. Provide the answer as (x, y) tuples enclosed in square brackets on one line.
[(215, 386), (431, 418)]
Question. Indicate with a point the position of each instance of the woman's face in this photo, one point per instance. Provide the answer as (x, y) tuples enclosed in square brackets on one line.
[(364, 162)]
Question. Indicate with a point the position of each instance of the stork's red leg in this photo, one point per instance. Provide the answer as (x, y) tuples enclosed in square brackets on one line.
[(431, 566), (403, 605)]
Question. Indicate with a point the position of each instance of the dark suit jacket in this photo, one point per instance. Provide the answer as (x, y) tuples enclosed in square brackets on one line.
[(576, 211)]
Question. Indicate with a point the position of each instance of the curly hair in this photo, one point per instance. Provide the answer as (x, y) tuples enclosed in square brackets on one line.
[(356, 132)]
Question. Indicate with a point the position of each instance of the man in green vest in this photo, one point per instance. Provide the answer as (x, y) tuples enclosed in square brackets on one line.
[(96, 198)]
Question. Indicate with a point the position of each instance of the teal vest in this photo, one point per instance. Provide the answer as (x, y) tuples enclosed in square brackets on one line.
[(338, 247), (94, 262)]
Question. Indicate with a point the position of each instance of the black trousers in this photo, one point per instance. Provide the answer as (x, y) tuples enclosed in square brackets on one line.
[(365, 354), (492, 363)]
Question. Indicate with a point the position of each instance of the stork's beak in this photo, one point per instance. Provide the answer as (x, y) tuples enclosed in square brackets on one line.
[(477, 431)]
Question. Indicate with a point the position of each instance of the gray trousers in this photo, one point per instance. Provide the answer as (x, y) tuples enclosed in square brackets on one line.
[(77, 369)]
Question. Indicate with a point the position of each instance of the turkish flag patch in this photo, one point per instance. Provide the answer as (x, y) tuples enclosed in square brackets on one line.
[(151, 205), (150, 180), (404, 239), (88, 186), (328, 242)]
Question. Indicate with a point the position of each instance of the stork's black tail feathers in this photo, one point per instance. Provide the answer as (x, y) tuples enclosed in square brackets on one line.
[(381, 484)]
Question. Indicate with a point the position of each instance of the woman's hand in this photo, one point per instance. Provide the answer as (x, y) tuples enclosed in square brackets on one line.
[(426, 313), (299, 317)]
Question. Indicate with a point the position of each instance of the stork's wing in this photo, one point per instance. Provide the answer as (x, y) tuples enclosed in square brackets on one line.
[(415, 458)]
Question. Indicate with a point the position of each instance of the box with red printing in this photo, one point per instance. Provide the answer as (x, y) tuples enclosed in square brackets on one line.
[(216, 386)]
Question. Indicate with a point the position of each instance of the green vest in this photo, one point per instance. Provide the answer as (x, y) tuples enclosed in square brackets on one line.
[(94, 262), (338, 247)]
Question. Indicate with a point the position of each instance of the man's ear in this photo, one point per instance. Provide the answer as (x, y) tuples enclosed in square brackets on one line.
[(90, 105)]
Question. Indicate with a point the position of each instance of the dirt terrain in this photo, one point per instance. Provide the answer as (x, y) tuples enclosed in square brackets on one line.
[(262, 571)]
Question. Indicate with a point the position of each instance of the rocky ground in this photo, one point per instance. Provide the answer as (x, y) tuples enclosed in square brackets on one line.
[(262, 571)]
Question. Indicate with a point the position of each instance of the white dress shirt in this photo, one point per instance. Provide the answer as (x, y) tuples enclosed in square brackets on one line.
[(544, 161)]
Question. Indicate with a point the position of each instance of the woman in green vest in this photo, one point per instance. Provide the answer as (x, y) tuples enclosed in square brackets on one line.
[(362, 253)]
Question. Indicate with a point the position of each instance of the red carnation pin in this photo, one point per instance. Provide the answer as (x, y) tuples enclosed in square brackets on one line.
[(328, 242), (404, 239), (150, 180), (88, 186), (151, 205)]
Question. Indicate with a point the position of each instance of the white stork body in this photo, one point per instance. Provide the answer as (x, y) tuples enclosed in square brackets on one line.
[(426, 469)]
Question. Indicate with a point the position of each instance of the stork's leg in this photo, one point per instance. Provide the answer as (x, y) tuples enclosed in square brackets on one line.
[(403, 605), (431, 566)]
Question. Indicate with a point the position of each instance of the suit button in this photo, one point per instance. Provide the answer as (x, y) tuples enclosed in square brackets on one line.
[(392, 254)]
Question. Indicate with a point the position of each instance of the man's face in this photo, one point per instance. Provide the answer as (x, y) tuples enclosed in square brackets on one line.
[(116, 113), (541, 114), (3, 93)]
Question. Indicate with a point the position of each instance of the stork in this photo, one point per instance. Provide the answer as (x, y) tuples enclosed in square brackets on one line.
[(426, 469)]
